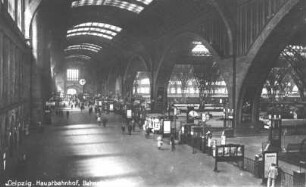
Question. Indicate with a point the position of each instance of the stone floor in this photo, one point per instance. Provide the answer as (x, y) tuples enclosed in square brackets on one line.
[(78, 149)]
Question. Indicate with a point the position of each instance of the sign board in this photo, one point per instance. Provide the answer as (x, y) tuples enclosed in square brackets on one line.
[(111, 107), (156, 126), (129, 114), (223, 140), (175, 111), (167, 127), (184, 106), (268, 159)]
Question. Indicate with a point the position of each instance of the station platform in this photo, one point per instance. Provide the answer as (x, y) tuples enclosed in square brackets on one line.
[(78, 149)]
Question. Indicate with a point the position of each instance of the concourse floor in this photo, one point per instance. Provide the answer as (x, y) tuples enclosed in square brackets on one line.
[(76, 148)]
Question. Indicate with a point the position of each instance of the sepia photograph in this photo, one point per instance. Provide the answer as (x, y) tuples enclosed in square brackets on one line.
[(153, 93)]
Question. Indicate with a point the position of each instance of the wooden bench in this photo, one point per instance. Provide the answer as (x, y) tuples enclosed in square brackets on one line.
[(296, 148)]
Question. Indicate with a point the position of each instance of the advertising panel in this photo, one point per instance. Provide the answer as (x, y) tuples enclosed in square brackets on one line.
[(269, 158)]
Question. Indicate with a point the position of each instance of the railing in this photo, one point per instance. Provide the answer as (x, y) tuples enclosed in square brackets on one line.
[(256, 168), (249, 165), (286, 179)]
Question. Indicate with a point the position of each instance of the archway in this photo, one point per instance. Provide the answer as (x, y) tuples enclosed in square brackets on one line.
[(180, 51), (264, 55)]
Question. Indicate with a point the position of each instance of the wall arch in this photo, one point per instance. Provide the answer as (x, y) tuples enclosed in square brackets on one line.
[(135, 64), (77, 87)]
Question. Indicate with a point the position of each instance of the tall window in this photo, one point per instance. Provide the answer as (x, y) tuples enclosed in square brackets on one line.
[(11, 8), (72, 74), (19, 14)]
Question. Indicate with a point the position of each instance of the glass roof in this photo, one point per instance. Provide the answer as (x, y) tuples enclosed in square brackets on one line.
[(84, 46), (199, 49), (133, 7), (103, 30), (79, 56), (291, 49)]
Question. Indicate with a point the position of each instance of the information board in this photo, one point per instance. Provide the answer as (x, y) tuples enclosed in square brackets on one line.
[(129, 114), (167, 127), (111, 107)]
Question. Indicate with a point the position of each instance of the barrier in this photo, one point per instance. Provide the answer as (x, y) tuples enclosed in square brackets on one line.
[(228, 153)]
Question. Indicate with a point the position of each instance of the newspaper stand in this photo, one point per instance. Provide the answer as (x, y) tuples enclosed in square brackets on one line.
[(275, 131), (186, 134), (228, 153)]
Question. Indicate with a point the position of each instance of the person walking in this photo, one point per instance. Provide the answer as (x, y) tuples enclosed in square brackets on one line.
[(90, 110), (104, 121), (159, 142), (133, 124), (172, 143), (272, 174), (130, 129), (99, 120), (123, 128)]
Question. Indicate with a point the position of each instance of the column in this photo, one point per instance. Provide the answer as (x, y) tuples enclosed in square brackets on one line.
[(1, 69)]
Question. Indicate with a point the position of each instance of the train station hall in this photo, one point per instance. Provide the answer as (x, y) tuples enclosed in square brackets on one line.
[(153, 93)]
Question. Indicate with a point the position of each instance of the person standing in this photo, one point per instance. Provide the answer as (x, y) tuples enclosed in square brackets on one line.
[(104, 121), (272, 174)]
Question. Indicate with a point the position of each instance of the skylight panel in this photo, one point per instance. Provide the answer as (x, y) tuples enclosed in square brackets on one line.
[(115, 3), (84, 46), (124, 5), (79, 56), (146, 2), (94, 29), (199, 49)]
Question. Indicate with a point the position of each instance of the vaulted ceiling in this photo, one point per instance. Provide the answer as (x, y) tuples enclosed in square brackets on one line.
[(104, 30)]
